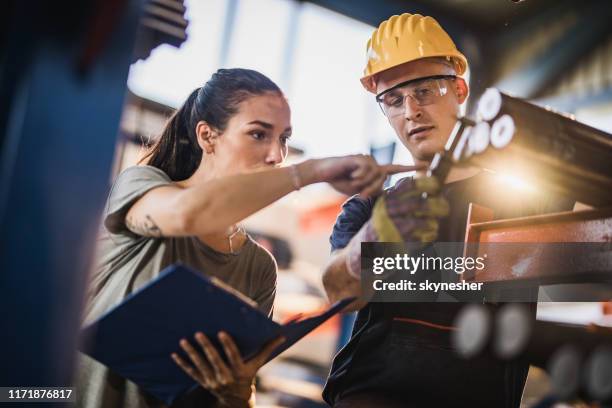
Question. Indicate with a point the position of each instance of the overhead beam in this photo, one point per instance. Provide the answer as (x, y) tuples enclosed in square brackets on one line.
[(373, 13), (591, 28), (520, 29)]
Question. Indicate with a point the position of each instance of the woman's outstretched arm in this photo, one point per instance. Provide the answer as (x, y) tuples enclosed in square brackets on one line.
[(215, 205)]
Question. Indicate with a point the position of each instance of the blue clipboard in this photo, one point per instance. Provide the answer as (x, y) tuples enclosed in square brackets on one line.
[(135, 338)]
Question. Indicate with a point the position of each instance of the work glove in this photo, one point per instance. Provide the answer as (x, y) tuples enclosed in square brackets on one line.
[(409, 213)]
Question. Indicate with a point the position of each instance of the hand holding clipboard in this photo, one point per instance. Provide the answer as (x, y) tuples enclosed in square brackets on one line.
[(179, 303)]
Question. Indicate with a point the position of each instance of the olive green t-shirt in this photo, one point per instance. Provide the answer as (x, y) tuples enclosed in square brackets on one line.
[(126, 261)]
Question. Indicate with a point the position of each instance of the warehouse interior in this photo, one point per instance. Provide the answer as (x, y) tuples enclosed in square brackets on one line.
[(87, 87)]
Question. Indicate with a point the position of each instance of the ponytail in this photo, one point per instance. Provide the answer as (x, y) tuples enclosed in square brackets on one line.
[(177, 151)]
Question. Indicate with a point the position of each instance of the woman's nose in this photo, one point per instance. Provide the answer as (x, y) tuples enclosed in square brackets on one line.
[(275, 155)]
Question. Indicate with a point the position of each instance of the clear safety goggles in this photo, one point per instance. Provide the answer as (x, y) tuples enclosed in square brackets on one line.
[(424, 91)]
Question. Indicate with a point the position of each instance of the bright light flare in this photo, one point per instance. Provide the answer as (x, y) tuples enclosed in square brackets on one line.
[(515, 182)]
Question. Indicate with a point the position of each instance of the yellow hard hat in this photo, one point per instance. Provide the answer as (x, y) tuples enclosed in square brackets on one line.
[(406, 38)]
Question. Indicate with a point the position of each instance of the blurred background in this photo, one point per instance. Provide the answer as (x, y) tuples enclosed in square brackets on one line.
[(556, 53)]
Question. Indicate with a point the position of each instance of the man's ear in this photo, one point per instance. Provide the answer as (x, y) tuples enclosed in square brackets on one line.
[(206, 136), (462, 89)]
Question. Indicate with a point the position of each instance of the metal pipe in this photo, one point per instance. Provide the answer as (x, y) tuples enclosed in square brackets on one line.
[(474, 330), (519, 335), (512, 332), (564, 371), (577, 359), (518, 137), (598, 375)]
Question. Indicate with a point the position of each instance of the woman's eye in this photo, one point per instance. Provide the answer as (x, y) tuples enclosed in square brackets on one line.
[(285, 139), (258, 135)]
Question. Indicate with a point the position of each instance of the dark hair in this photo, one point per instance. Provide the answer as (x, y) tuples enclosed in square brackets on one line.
[(177, 151)]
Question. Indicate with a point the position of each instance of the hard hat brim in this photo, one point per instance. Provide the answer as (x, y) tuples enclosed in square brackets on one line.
[(459, 62)]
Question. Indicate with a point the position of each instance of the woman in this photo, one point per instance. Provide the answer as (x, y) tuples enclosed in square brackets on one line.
[(216, 162)]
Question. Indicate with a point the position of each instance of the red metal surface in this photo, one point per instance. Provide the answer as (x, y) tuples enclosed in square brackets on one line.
[(546, 263), (579, 226), (476, 214)]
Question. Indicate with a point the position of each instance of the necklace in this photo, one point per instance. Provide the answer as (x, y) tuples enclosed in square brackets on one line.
[(231, 236)]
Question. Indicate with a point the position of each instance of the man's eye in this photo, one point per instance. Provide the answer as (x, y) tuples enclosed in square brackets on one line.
[(394, 101), (424, 91)]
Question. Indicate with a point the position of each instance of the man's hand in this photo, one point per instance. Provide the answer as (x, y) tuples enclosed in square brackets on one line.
[(410, 211), (231, 384)]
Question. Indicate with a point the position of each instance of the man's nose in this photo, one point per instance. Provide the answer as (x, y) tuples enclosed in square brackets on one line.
[(412, 111)]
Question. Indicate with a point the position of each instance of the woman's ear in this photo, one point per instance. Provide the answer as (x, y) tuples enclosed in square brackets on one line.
[(462, 89), (206, 136)]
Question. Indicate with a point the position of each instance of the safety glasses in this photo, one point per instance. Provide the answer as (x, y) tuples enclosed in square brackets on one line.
[(424, 91)]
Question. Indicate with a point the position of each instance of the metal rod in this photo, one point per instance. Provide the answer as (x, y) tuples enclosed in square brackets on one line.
[(558, 152)]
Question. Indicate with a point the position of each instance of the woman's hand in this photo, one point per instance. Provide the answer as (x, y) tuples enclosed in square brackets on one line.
[(355, 174), (231, 384)]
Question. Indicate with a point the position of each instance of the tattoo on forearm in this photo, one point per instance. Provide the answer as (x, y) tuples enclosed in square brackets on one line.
[(147, 228)]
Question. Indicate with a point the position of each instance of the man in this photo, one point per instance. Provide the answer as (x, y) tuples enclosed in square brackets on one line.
[(399, 354)]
